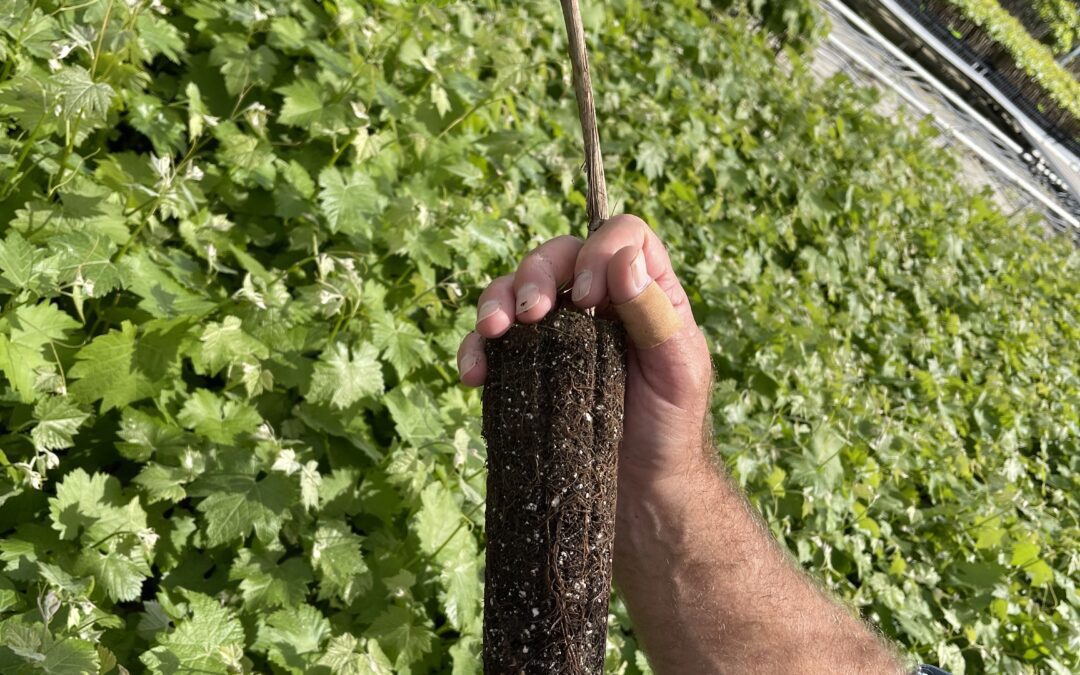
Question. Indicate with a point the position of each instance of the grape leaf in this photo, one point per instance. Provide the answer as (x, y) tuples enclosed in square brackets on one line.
[(820, 465), (163, 483), (293, 638), (344, 376), (80, 96), (70, 657), (221, 421), (18, 260), (143, 435), (94, 506), (241, 64), (120, 574), (403, 635), (651, 157), (345, 655), (31, 350), (338, 562), (226, 344), (401, 344), (439, 524), (21, 365), (155, 280), (57, 421), (303, 104), (85, 257), (24, 100), (348, 201), (36, 325), (199, 642), (411, 408), (466, 656), (462, 595), (106, 371), (243, 504), (266, 582)]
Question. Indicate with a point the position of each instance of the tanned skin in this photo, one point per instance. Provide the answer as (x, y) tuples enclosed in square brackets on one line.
[(707, 587)]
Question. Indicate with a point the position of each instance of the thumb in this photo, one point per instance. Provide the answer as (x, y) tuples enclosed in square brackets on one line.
[(643, 307), (669, 350)]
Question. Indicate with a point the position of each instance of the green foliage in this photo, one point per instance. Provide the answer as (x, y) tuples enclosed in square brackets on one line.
[(241, 243), (1031, 56), (1055, 23), (1062, 17), (795, 23)]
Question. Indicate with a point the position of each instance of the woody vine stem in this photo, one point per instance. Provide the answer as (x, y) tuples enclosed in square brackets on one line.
[(596, 197)]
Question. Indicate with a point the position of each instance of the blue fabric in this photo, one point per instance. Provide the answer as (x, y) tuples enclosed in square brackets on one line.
[(929, 670)]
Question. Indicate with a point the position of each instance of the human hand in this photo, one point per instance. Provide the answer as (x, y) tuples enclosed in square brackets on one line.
[(706, 586), (667, 387)]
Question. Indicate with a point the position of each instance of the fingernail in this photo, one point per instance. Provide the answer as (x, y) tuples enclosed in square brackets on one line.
[(486, 310), (527, 297), (467, 363), (639, 273), (582, 285)]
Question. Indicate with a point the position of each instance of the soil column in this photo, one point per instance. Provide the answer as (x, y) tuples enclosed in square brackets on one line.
[(553, 414)]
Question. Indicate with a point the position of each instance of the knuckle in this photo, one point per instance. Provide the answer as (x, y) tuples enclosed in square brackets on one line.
[(630, 221), (563, 245), (569, 240), (536, 260), (532, 256), (494, 287)]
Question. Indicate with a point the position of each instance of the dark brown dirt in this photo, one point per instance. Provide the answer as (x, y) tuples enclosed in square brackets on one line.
[(553, 418)]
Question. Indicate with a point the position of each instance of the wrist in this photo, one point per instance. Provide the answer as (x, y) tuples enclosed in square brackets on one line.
[(665, 471), (665, 445), (655, 514)]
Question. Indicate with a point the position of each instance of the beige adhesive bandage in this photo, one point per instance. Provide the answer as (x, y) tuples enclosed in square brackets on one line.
[(649, 318)]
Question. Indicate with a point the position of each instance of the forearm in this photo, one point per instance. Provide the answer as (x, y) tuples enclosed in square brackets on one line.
[(709, 591)]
